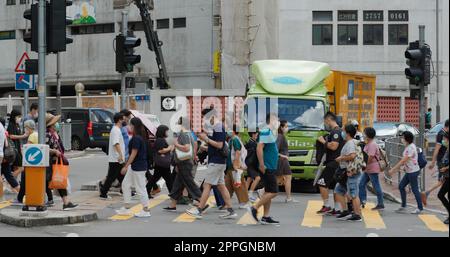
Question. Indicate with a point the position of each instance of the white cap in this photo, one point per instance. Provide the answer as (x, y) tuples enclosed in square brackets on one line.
[(355, 123)]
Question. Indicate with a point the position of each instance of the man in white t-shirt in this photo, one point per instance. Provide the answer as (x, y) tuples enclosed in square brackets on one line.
[(116, 156)]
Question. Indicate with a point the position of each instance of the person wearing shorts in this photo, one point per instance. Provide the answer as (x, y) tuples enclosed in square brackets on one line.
[(333, 144), (267, 152), (215, 137)]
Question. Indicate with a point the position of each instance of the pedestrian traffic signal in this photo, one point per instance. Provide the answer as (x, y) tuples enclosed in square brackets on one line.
[(31, 37), (125, 57), (418, 59), (56, 26)]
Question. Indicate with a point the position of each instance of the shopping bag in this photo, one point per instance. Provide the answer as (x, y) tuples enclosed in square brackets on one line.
[(237, 178), (60, 175)]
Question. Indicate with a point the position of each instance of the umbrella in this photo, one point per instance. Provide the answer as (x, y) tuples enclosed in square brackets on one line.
[(150, 125)]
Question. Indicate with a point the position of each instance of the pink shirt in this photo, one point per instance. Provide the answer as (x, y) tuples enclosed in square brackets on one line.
[(372, 150)]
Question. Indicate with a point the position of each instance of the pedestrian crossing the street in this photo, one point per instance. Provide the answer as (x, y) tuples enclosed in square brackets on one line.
[(247, 218), (137, 208), (186, 218)]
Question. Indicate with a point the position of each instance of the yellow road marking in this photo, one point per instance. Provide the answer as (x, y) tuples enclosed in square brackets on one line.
[(186, 218), (137, 208), (5, 204), (434, 223), (247, 219), (311, 218), (372, 218)]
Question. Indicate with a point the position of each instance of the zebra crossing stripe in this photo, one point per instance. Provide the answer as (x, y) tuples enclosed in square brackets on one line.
[(137, 208), (186, 218), (433, 223), (311, 219), (372, 218)]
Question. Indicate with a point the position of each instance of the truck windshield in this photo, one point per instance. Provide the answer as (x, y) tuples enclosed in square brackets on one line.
[(300, 114)]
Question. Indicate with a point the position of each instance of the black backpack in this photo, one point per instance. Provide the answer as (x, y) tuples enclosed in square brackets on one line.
[(9, 152)]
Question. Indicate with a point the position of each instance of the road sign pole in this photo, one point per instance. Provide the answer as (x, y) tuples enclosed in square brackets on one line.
[(422, 105), (58, 83), (26, 95), (42, 87), (124, 74)]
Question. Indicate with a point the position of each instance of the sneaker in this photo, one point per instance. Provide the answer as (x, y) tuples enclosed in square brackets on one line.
[(354, 217), (244, 206), (332, 212), (446, 221), (269, 221), (143, 214), (253, 198), (170, 209), (402, 210), (291, 200), (124, 212), (350, 206), (100, 186), (50, 203), (69, 206), (363, 205), (324, 210), (424, 197), (105, 197), (194, 212), (344, 215), (222, 209), (231, 214), (378, 208), (416, 212), (254, 213)]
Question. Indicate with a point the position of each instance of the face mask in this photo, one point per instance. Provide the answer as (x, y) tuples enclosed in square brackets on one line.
[(124, 124), (344, 135), (230, 134), (57, 126), (18, 119)]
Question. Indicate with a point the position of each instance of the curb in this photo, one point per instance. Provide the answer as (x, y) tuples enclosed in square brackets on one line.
[(11, 217), (77, 154), (391, 197)]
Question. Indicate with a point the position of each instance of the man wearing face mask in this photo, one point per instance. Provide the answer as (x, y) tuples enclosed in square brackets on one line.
[(333, 144)]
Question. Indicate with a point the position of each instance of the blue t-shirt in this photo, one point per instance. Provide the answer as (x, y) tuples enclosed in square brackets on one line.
[(269, 140), (140, 162), (219, 135), (126, 140)]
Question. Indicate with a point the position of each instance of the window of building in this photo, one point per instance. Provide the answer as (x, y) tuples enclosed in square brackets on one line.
[(347, 34), (398, 34), (322, 34), (179, 23), (24, 1), (373, 34), (347, 15), (10, 2), (93, 29), (5, 35), (373, 16), (162, 24), (322, 16)]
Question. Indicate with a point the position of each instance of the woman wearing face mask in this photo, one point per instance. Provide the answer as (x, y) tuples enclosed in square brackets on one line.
[(163, 159), (284, 172), (410, 165), (55, 144), (15, 133)]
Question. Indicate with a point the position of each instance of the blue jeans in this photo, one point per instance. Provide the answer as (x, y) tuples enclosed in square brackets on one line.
[(411, 179), (375, 179), (352, 187)]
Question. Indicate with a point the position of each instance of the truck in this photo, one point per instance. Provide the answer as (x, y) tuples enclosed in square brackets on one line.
[(301, 92)]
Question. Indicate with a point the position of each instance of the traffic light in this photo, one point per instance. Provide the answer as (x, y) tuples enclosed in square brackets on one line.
[(418, 59), (31, 67), (31, 37), (125, 57), (56, 26)]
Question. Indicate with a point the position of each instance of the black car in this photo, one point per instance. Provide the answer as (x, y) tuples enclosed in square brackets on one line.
[(90, 127)]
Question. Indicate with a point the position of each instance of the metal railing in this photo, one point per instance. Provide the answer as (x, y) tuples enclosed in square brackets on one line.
[(394, 152)]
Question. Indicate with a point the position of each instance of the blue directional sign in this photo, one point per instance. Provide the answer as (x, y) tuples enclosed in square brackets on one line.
[(139, 98), (24, 82), (34, 155)]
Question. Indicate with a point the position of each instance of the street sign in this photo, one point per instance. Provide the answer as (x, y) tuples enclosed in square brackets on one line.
[(35, 155), (20, 67), (24, 82), (139, 98)]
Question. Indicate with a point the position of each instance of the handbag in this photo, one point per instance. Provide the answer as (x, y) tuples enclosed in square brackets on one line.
[(184, 156), (60, 175), (9, 152)]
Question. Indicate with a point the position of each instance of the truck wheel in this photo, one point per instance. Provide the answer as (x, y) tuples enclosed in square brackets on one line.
[(76, 144)]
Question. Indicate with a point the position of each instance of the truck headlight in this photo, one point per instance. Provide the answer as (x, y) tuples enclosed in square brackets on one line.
[(313, 158)]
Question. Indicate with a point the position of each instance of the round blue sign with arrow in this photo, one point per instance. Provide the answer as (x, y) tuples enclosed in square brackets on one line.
[(34, 155)]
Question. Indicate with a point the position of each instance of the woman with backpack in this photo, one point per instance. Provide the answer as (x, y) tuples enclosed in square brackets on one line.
[(410, 165), (284, 172), (372, 171), (16, 135)]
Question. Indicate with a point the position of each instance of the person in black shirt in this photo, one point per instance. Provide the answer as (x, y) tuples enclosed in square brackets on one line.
[(254, 176), (443, 192), (333, 145), (438, 157)]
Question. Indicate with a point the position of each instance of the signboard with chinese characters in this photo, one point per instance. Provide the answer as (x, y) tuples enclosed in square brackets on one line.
[(347, 15), (82, 12), (398, 16), (373, 16)]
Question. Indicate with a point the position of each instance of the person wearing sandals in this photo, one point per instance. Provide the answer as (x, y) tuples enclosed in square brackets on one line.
[(184, 179), (56, 151)]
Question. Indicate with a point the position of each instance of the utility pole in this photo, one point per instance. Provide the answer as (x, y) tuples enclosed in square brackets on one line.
[(42, 87), (124, 73), (58, 83), (438, 82), (422, 103)]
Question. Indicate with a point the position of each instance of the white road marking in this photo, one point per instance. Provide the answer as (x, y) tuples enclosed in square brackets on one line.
[(372, 235)]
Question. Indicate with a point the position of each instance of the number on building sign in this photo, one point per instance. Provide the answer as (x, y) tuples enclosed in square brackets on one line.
[(398, 16), (373, 15)]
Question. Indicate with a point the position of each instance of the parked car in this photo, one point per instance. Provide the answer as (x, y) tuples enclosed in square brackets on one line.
[(430, 135), (90, 127), (386, 130)]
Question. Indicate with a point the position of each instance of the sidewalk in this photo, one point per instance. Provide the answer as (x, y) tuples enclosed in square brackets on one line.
[(392, 193), (74, 154)]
